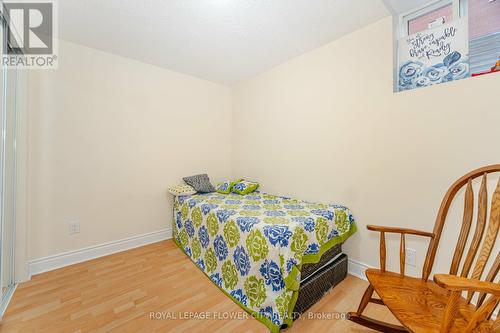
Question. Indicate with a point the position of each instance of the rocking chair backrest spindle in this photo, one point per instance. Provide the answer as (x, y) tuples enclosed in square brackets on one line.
[(483, 237)]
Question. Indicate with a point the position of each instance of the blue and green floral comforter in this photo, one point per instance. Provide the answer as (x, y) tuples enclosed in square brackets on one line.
[(253, 246)]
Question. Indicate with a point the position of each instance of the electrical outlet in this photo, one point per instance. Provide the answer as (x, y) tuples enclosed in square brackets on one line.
[(74, 227), (411, 257)]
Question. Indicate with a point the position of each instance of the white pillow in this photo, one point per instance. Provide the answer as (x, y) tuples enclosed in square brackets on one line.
[(180, 190)]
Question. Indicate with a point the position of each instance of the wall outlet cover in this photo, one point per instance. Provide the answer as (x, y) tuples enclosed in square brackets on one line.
[(74, 227), (411, 257)]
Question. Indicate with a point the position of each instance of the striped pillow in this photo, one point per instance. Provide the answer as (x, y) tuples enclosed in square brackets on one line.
[(201, 183)]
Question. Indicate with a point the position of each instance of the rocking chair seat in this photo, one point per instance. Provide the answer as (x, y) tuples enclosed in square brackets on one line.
[(420, 305)]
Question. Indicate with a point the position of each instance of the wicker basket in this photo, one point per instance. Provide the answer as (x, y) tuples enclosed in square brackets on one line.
[(309, 269), (317, 285)]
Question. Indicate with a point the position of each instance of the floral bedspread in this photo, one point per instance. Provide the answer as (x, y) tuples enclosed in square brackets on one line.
[(252, 246)]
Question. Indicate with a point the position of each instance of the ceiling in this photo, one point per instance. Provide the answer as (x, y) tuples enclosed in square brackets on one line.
[(223, 41), (404, 6)]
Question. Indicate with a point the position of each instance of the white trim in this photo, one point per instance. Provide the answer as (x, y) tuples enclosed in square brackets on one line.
[(37, 266), (459, 11), (49, 263), (357, 268), (20, 240), (7, 297), (426, 8), (422, 10)]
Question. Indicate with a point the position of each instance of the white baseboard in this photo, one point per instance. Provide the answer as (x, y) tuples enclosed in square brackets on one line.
[(49, 263), (357, 268), (37, 266)]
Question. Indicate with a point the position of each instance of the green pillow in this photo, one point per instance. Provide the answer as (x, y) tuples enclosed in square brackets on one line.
[(245, 187), (226, 186)]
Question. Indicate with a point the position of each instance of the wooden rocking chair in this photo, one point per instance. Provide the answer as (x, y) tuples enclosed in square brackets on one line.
[(425, 306)]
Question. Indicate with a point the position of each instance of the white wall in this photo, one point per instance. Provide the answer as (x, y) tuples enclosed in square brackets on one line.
[(326, 126), (107, 136)]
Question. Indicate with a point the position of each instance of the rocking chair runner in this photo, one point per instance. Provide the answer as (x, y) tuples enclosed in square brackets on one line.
[(425, 306)]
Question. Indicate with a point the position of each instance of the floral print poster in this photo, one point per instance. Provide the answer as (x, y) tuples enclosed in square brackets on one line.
[(434, 56)]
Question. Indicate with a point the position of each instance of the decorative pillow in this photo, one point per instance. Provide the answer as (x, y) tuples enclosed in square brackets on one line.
[(180, 190), (244, 187), (201, 183), (226, 186)]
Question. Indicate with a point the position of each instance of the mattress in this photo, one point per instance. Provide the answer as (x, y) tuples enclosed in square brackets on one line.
[(258, 248)]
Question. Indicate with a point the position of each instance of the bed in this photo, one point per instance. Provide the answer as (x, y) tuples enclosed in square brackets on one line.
[(274, 256)]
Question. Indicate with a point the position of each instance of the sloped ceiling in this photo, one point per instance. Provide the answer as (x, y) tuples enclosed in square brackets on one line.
[(219, 40)]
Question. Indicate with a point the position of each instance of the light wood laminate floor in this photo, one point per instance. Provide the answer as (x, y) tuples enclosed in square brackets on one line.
[(117, 293)]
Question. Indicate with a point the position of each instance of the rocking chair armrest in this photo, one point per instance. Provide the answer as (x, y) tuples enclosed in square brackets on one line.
[(402, 248), (397, 230), (457, 283)]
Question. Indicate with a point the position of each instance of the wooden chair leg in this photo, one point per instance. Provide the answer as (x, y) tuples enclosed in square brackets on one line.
[(374, 324), (365, 300)]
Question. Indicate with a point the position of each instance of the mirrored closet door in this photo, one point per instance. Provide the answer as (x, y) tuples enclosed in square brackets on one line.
[(7, 178)]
